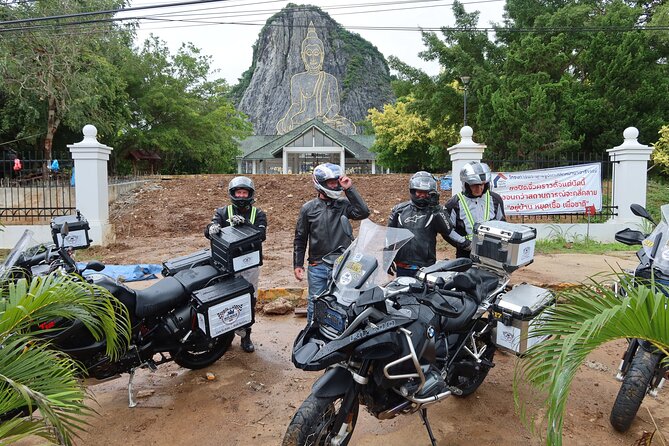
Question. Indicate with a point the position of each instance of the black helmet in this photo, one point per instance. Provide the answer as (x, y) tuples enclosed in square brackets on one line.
[(475, 173), (241, 183), (323, 173), (424, 181)]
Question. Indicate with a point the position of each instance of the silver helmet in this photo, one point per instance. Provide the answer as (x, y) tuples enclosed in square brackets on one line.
[(475, 173), (241, 183), (426, 182), (323, 173)]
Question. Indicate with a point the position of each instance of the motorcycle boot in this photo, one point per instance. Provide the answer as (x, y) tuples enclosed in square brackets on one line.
[(247, 344)]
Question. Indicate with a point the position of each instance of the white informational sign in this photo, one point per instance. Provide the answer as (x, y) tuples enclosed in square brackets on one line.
[(561, 190)]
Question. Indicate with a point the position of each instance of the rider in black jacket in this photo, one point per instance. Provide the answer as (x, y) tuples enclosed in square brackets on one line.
[(241, 191), (319, 225), (423, 216)]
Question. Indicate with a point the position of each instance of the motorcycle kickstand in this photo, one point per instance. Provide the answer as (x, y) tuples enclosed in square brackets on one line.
[(131, 400), (423, 416)]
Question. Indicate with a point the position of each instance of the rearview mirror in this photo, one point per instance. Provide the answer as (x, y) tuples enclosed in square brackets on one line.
[(640, 211)]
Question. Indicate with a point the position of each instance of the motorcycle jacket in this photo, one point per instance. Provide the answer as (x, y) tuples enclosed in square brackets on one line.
[(425, 223), (253, 216), (319, 224), (465, 211)]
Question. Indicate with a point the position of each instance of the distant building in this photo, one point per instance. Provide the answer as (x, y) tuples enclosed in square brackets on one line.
[(303, 148)]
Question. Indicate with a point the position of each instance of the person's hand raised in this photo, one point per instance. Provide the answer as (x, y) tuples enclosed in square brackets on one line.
[(345, 182)]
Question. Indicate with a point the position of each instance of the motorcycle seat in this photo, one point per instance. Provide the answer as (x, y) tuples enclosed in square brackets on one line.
[(454, 321), (160, 297), (478, 283), (197, 278)]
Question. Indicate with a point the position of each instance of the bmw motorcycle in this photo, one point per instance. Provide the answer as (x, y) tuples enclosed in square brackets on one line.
[(189, 317), (395, 348), (641, 369)]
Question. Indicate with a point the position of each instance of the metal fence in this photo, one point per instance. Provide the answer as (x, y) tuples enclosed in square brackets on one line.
[(37, 191), (540, 161)]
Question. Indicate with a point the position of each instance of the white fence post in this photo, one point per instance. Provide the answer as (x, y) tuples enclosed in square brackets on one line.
[(462, 153), (629, 174), (90, 182)]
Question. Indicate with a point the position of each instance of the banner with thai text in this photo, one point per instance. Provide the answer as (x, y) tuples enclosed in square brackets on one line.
[(560, 190)]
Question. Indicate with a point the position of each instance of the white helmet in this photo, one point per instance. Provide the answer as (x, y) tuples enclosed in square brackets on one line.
[(323, 173), (475, 173)]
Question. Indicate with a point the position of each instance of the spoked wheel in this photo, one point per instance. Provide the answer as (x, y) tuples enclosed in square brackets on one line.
[(468, 376), (202, 354), (633, 389), (313, 423)]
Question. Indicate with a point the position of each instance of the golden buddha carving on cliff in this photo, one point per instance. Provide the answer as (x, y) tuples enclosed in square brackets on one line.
[(314, 93)]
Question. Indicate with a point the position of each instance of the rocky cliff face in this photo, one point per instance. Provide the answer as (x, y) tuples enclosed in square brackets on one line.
[(264, 92)]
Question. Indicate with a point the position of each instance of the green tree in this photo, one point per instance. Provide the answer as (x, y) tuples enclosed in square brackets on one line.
[(661, 153), (34, 377), (586, 318), (405, 141), (178, 112), (56, 70)]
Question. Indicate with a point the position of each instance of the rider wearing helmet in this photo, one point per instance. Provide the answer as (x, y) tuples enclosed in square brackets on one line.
[(242, 195), (319, 225), (423, 216), (475, 204)]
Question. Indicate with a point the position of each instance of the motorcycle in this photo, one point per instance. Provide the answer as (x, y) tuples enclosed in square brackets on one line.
[(188, 317), (395, 348), (641, 369)]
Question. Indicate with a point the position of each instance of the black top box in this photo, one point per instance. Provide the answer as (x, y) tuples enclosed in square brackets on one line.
[(236, 248), (189, 261), (77, 231)]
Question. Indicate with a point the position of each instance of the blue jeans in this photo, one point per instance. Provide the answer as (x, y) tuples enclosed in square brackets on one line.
[(318, 277)]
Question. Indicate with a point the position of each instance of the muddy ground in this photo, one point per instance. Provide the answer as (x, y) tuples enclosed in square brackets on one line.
[(253, 396)]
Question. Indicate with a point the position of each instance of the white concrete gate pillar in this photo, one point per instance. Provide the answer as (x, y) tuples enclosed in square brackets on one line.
[(462, 153), (91, 184), (629, 174)]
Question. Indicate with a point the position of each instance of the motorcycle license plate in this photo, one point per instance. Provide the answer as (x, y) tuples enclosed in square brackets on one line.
[(325, 315)]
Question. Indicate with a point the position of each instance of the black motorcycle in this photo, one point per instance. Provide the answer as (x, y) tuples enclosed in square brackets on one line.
[(189, 317), (641, 369), (395, 348)]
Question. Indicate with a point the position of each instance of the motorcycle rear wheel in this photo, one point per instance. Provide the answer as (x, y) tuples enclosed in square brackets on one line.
[(469, 382), (313, 422), (197, 358), (633, 389)]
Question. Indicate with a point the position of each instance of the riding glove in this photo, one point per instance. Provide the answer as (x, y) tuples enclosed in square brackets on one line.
[(237, 220), (214, 228)]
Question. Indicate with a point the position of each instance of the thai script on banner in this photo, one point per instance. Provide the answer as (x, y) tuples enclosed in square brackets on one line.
[(559, 190)]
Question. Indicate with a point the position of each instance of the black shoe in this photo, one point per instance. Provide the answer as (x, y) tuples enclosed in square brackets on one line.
[(247, 344)]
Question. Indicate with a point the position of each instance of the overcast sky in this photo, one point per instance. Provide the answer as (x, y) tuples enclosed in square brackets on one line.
[(227, 29)]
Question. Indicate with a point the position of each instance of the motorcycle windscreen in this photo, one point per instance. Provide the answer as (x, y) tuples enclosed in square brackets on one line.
[(365, 263), (16, 252), (656, 245)]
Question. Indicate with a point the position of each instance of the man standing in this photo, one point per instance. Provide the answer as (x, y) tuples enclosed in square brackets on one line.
[(319, 225), (241, 191), (424, 217), (475, 204)]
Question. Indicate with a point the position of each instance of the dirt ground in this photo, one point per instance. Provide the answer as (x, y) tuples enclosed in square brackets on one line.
[(254, 396)]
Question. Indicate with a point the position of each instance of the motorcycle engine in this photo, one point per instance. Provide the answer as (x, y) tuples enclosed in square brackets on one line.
[(176, 324)]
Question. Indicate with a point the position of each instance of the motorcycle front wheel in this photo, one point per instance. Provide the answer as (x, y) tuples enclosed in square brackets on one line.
[(633, 389), (313, 423), (201, 355)]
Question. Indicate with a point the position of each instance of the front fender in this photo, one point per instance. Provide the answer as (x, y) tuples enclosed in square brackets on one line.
[(334, 382)]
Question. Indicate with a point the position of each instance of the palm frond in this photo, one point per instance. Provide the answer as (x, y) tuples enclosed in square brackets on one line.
[(585, 318), (26, 305)]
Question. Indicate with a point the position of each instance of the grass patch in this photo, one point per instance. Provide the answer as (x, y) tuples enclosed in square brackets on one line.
[(557, 246)]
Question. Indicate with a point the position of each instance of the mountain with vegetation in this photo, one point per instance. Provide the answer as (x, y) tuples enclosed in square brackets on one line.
[(362, 72)]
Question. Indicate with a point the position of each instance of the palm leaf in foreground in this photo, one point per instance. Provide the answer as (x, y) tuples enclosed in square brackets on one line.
[(32, 376), (586, 318)]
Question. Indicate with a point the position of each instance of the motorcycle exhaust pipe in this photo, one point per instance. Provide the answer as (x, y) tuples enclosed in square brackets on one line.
[(392, 413)]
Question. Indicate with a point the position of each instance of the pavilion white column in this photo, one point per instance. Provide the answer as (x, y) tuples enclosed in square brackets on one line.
[(629, 174), (284, 169), (91, 184), (342, 159), (462, 153), (254, 167), (373, 167)]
